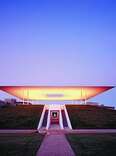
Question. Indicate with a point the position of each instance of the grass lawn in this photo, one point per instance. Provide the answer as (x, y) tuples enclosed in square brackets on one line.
[(93, 144), (86, 116), (20, 117), (20, 144)]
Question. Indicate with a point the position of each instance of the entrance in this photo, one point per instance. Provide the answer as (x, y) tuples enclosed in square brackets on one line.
[(54, 116)]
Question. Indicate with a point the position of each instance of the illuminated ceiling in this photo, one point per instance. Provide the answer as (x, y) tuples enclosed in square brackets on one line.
[(55, 92)]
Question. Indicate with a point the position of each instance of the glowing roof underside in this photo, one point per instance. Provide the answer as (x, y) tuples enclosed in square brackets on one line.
[(55, 92)]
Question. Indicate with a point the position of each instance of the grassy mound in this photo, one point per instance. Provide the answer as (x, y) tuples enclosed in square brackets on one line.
[(20, 117), (82, 116)]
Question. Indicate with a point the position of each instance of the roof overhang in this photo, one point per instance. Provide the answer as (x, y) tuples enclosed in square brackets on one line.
[(55, 92)]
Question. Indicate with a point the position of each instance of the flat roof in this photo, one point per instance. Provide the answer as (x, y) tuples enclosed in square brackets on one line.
[(55, 92)]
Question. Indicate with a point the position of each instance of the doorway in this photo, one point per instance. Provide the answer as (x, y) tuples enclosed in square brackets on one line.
[(54, 116)]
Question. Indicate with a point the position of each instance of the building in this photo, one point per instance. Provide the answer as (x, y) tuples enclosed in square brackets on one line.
[(55, 114)]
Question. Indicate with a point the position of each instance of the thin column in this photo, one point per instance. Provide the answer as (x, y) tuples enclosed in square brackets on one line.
[(48, 120), (42, 117), (60, 119), (85, 97), (67, 117), (23, 98)]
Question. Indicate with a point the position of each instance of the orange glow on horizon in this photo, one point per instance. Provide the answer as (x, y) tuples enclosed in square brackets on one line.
[(54, 93)]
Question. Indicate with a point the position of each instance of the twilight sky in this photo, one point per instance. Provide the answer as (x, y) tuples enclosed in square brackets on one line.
[(59, 42)]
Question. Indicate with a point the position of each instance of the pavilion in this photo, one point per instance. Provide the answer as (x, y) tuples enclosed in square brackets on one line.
[(54, 114)]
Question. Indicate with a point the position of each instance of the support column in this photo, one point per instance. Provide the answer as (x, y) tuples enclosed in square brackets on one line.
[(23, 101), (60, 119), (28, 97), (41, 119), (48, 120), (67, 117), (23, 98), (85, 102)]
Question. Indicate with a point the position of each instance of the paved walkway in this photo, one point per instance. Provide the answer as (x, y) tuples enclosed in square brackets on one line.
[(91, 131), (80, 131), (10, 131), (77, 131), (55, 144)]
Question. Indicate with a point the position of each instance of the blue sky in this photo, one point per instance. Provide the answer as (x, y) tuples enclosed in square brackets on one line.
[(58, 42)]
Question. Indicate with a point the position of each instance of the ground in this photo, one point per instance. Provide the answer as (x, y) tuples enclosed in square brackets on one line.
[(20, 117), (20, 144), (27, 117), (93, 144), (86, 116), (81, 116)]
